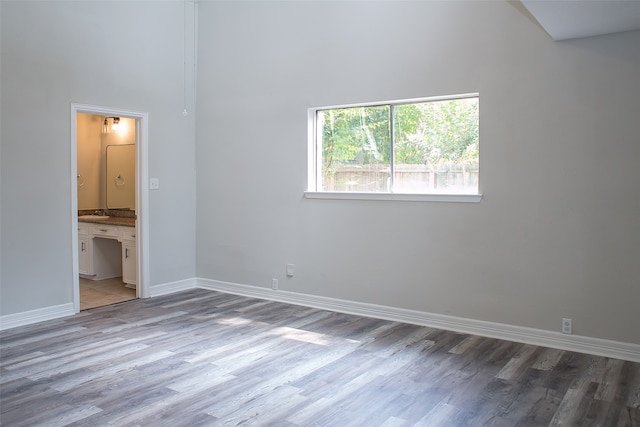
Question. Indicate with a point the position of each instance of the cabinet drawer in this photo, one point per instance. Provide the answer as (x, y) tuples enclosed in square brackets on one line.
[(108, 231), (127, 234), (83, 229)]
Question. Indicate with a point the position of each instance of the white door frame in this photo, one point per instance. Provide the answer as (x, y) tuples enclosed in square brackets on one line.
[(142, 195)]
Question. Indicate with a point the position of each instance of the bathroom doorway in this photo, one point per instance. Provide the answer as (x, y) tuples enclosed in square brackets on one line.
[(109, 205)]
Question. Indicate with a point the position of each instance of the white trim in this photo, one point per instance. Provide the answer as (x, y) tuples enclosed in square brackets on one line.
[(63, 310), (577, 343), (142, 204), (400, 101), (581, 344), (171, 287), (34, 316), (75, 269), (142, 195), (403, 197), (312, 153)]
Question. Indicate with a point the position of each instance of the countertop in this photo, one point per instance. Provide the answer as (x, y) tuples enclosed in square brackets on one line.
[(112, 220)]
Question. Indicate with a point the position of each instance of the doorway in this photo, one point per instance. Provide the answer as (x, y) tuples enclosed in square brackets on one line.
[(109, 213)]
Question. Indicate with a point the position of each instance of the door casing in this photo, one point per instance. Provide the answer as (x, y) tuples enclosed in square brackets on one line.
[(142, 194)]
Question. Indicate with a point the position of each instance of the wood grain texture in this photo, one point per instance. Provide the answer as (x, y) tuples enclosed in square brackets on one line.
[(206, 358)]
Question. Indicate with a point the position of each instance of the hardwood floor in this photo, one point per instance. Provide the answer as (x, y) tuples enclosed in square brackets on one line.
[(205, 358), (98, 293)]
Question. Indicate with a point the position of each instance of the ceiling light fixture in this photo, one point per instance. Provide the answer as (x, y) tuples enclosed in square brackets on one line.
[(114, 126)]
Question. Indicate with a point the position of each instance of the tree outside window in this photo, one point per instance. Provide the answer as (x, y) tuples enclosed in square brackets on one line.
[(423, 147)]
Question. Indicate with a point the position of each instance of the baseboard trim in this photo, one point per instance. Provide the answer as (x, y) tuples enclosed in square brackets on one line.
[(34, 316), (577, 343), (171, 287), (49, 313)]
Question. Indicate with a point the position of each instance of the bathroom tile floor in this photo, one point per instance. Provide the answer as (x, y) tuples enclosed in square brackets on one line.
[(97, 293)]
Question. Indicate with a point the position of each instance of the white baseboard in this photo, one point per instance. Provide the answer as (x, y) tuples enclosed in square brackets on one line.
[(581, 344), (171, 287), (34, 316), (577, 343), (49, 313)]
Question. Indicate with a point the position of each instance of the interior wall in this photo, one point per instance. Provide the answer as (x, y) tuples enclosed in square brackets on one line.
[(127, 55), (556, 233)]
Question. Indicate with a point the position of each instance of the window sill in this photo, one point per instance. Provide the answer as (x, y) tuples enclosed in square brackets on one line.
[(455, 198)]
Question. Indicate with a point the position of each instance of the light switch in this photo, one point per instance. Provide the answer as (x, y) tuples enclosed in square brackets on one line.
[(154, 183)]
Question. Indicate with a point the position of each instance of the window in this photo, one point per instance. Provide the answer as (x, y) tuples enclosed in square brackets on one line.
[(419, 147)]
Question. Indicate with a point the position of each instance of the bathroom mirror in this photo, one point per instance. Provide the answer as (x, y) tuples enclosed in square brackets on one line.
[(121, 177)]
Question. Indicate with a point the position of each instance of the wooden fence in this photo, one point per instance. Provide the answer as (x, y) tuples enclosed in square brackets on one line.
[(461, 178)]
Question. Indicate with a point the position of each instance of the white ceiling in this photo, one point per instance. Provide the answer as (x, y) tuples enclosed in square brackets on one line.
[(569, 19)]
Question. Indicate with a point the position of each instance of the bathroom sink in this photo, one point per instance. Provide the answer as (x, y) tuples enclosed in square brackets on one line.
[(93, 217)]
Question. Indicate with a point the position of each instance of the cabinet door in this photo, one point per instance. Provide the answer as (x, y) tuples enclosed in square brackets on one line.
[(85, 264), (129, 264)]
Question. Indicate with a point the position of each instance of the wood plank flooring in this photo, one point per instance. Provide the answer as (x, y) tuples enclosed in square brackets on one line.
[(203, 358)]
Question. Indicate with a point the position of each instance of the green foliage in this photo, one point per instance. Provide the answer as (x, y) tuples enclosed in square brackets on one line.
[(355, 136), (437, 132), (431, 133)]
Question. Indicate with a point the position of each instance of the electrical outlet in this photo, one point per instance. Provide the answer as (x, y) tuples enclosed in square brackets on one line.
[(566, 326), (290, 270), (274, 284)]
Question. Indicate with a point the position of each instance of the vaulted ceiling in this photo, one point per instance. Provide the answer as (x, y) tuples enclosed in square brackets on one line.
[(568, 19)]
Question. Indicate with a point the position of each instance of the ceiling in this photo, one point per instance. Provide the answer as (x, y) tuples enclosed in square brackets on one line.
[(570, 19)]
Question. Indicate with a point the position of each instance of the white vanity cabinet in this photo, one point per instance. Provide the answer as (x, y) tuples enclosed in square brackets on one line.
[(85, 253), (106, 251), (104, 231), (127, 235)]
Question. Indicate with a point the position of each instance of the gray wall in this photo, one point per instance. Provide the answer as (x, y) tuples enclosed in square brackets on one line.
[(555, 236), (124, 55), (557, 233)]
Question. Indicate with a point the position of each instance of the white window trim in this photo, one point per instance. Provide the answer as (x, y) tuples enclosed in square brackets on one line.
[(313, 170), (402, 197)]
